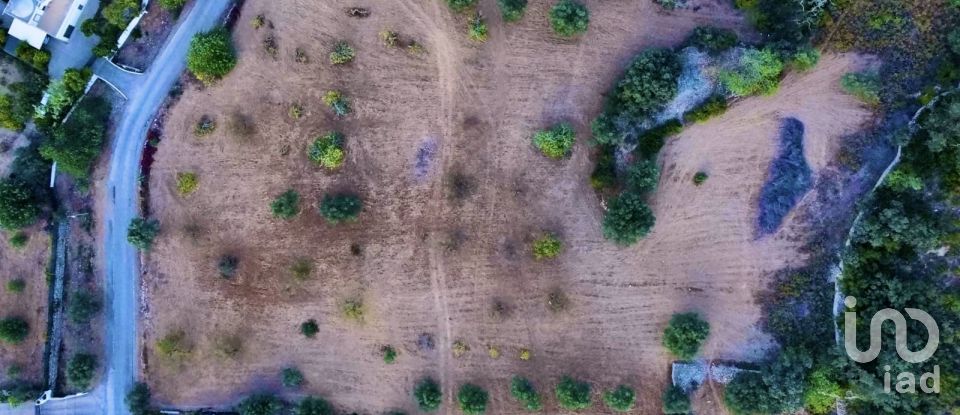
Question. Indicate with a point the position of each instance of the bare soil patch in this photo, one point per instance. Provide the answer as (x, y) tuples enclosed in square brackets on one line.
[(28, 264), (426, 262)]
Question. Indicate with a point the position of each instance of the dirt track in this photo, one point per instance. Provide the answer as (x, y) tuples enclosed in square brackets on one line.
[(432, 264)]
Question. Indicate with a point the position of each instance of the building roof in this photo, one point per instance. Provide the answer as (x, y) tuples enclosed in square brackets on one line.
[(27, 33)]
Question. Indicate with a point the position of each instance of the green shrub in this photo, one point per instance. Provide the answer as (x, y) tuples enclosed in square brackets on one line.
[(747, 394), (460, 5), (211, 55), (710, 108), (651, 81), (13, 330), (757, 72), (291, 377), (604, 175), (17, 108), (477, 29), (84, 306), (865, 86), (620, 399), (76, 144), (312, 405), (62, 94), (712, 39), (327, 150), (821, 394), (19, 240), (81, 369), (643, 176), (205, 126), (295, 111), (121, 12), (572, 394), (523, 391), (628, 219), (806, 58), (138, 399), (340, 208), (260, 404), (700, 178), (174, 345), (556, 142), (309, 328), (37, 58), (675, 401), (389, 354), (428, 396), (569, 18), (685, 334), (18, 207), (187, 183), (342, 53), (16, 286), (142, 232), (352, 309), (512, 10), (473, 399), (547, 247), (301, 269), (651, 141), (287, 205), (227, 265), (173, 5), (337, 102)]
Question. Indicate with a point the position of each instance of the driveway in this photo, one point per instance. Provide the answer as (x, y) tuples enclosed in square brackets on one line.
[(76, 53), (122, 262)]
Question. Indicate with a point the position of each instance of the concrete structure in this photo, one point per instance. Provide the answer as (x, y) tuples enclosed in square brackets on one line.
[(34, 20)]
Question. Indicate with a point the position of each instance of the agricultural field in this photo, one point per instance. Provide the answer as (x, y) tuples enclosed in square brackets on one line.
[(439, 264)]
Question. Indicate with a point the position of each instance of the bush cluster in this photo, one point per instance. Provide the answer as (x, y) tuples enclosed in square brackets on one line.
[(477, 29), (327, 150), (63, 93), (556, 142), (337, 102), (39, 59), (17, 107), (16, 286), (472, 399), (512, 10), (76, 144), (865, 86), (712, 107), (685, 334), (572, 394), (138, 399), (460, 5), (675, 401), (547, 247), (13, 330), (291, 377), (342, 53), (18, 206), (309, 328), (340, 208), (628, 219), (84, 306), (650, 82), (187, 182), (260, 404), (142, 232), (757, 72), (81, 369), (211, 55), (711, 39), (620, 399), (524, 392), (427, 395), (286, 205), (642, 176), (569, 18)]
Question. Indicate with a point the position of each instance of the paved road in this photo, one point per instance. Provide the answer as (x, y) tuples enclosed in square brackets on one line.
[(122, 285)]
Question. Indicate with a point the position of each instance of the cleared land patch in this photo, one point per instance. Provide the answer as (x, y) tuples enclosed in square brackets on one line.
[(440, 258)]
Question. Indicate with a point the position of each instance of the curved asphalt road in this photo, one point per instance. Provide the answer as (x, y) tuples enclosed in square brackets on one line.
[(122, 264)]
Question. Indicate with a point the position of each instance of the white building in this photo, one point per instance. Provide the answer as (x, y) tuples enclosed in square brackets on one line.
[(34, 20)]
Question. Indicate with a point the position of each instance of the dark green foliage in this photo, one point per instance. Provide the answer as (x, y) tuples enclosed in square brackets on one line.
[(620, 399), (472, 399), (309, 328), (389, 354), (287, 205), (327, 150), (33, 170), (340, 208), (142, 232), (37, 58), (805, 59), (291, 377), (312, 405), (942, 125), (685, 334), (651, 141), (569, 18), (573, 394), (757, 72), (642, 176), (81, 369), (120, 12), (19, 393), (782, 22), (211, 55), (16, 286), (18, 207), (76, 144), (138, 399), (649, 83), (710, 108), (789, 178), (746, 395), (63, 93), (173, 5), (675, 401), (555, 142), (13, 330), (428, 396), (700, 178), (865, 86), (523, 391), (260, 404), (460, 5), (19, 240), (604, 174), (711, 39), (84, 306), (17, 108), (512, 10), (227, 265), (628, 219), (342, 53)]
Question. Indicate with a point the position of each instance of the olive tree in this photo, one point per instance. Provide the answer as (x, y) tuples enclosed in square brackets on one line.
[(628, 219), (569, 18), (142, 232), (685, 334)]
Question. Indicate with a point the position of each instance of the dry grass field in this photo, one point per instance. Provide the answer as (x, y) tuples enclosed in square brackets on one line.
[(27, 264), (425, 262)]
